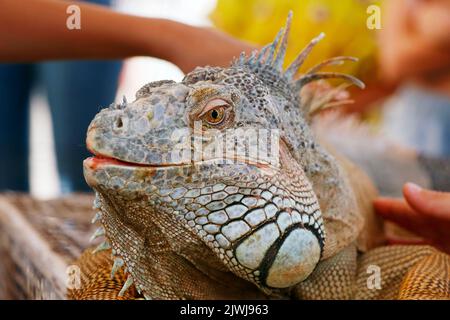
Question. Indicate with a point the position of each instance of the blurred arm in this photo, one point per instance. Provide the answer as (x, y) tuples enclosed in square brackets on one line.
[(36, 29), (33, 30)]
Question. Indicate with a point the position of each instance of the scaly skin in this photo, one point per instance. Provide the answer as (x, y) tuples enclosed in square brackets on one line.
[(235, 225)]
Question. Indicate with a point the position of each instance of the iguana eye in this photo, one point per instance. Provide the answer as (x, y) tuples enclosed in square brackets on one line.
[(214, 112), (214, 116)]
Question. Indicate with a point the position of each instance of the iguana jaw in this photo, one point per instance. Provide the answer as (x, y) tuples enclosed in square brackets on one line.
[(273, 253)]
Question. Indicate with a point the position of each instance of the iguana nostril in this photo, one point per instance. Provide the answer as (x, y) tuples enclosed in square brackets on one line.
[(119, 122)]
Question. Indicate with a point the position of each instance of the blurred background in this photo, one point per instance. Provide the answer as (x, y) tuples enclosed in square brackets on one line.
[(393, 81)]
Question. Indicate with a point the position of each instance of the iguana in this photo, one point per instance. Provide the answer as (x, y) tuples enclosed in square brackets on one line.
[(190, 211)]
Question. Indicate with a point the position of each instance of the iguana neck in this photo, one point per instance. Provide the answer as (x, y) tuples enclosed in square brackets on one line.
[(333, 190)]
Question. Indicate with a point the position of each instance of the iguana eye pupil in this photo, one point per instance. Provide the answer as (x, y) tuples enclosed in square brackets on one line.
[(215, 116)]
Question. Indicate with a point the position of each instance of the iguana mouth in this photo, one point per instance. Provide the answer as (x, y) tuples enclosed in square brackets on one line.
[(99, 160)]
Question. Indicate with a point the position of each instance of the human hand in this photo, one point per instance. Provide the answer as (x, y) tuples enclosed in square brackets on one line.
[(206, 46), (423, 212)]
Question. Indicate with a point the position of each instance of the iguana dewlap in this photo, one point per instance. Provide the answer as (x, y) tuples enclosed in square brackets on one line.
[(216, 188)]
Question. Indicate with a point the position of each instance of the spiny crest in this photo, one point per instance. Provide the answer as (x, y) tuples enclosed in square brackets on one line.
[(267, 63)]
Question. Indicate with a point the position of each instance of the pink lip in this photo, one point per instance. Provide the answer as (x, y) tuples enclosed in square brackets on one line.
[(96, 161)]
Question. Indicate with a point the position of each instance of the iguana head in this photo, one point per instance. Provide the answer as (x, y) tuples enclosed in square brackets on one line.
[(212, 162)]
